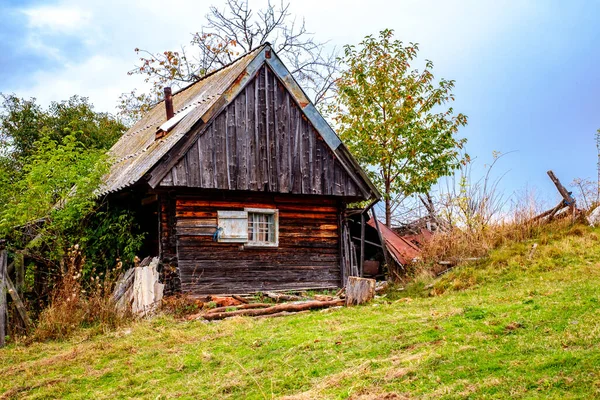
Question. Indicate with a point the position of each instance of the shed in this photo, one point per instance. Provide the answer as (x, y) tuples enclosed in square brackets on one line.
[(244, 188)]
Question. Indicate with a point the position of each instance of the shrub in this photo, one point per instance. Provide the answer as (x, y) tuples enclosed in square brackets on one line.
[(77, 303)]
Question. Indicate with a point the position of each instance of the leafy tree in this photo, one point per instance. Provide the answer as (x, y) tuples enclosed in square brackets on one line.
[(226, 34), (23, 123), (51, 164), (57, 188), (394, 118)]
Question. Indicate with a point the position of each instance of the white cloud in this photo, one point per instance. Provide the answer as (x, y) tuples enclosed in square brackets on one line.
[(96, 78), (59, 19), (108, 31)]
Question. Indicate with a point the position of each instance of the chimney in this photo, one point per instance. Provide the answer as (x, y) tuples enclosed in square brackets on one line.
[(169, 103)]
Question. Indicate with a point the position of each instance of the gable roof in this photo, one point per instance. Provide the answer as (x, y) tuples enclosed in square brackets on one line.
[(138, 151)]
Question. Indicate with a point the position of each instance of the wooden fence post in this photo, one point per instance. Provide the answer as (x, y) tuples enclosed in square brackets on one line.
[(3, 276), (19, 272), (362, 244)]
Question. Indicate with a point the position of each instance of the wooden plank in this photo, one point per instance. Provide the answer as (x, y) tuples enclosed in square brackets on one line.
[(272, 132), (362, 244), (19, 272), (263, 159), (168, 179), (296, 153), (306, 151), (220, 141), (180, 173), (253, 155), (231, 160), (241, 136), (311, 158), (193, 165), (283, 145), (18, 303), (205, 158)]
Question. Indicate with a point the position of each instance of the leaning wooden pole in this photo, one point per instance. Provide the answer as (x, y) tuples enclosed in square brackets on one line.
[(3, 276), (381, 239), (566, 195)]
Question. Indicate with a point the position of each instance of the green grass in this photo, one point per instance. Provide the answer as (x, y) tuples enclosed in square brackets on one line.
[(506, 327)]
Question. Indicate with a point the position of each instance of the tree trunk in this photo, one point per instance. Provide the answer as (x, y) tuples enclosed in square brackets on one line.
[(359, 290), (388, 205)]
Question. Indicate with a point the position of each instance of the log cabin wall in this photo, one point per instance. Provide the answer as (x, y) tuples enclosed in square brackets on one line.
[(307, 255), (262, 141)]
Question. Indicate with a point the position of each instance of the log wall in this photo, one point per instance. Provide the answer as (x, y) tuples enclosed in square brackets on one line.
[(307, 255), (262, 142)]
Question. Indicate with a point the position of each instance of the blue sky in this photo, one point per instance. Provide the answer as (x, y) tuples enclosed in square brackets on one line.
[(527, 72)]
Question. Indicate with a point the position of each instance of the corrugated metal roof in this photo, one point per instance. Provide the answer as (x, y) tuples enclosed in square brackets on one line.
[(402, 250), (137, 151)]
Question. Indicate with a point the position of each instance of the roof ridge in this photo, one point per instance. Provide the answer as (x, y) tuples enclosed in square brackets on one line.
[(211, 73)]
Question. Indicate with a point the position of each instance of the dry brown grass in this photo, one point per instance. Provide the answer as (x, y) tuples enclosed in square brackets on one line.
[(460, 244), (76, 303)]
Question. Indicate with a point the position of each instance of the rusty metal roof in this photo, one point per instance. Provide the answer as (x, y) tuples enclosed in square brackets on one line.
[(138, 151), (401, 249)]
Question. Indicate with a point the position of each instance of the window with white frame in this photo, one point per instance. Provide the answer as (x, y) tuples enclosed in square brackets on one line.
[(263, 227), (256, 227)]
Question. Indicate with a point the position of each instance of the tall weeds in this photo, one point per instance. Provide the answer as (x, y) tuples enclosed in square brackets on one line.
[(79, 303)]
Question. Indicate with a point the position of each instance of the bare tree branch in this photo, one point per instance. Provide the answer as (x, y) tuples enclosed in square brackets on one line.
[(229, 32)]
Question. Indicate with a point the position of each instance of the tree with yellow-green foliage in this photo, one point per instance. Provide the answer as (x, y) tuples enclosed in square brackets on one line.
[(395, 119)]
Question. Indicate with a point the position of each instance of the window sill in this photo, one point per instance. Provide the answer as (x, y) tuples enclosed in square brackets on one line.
[(251, 245)]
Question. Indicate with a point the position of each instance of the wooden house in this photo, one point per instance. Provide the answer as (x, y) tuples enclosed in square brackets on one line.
[(242, 183)]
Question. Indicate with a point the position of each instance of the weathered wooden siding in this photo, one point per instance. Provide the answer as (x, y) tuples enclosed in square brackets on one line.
[(307, 255), (167, 222), (262, 142)]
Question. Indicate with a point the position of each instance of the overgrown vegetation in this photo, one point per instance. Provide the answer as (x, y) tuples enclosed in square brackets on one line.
[(79, 301), (510, 326), (52, 162)]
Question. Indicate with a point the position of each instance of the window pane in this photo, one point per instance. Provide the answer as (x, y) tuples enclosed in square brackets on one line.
[(261, 227)]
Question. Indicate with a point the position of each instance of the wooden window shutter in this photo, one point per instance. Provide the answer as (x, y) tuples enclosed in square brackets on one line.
[(233, 226)]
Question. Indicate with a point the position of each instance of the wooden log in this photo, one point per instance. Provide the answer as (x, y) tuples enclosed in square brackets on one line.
[(359, 290), (281, 297), (14, 294), (240, 298), (3, 276), (240, 307), (549, 213), (569, 200), (293, 307), (282, 314)]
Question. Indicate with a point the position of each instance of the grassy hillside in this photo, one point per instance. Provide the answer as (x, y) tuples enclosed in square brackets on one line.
[(510, 326)]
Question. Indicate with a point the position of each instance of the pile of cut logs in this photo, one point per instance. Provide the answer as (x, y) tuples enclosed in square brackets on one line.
[(357, 291)]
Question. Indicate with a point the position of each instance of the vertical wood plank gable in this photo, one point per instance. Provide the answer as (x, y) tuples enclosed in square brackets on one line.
[(261, 106), (262, 141)]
